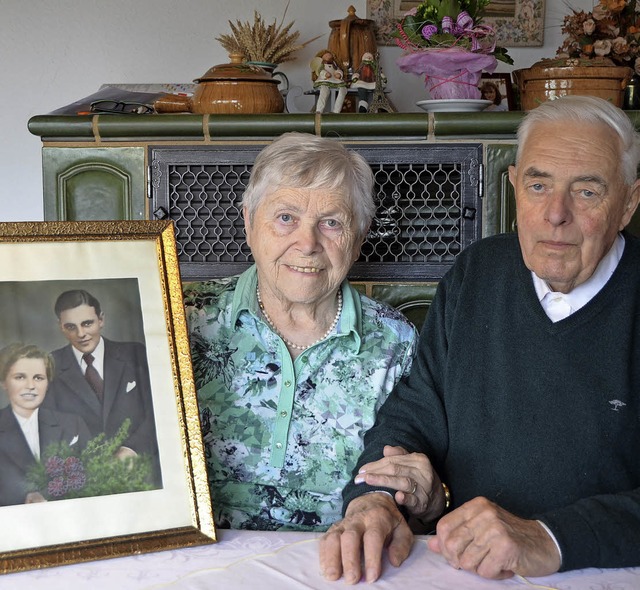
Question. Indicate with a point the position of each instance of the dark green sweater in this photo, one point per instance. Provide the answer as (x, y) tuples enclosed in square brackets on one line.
[(541, 418)]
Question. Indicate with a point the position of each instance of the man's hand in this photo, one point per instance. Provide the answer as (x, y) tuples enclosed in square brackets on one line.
[(124, 453), (419, 487), (483, 538), (371, 523)]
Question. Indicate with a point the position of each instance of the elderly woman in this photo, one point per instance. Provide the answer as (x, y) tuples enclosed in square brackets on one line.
[(291, 362), (26, 429)]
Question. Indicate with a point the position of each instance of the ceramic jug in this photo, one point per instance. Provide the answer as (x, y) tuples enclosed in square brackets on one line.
[(350, 38)]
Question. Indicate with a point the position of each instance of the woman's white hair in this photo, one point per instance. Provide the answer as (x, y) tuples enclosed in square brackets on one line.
[(302, 160), (587, 109)]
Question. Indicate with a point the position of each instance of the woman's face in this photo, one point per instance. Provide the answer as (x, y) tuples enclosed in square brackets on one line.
[(26, 385), (304, 242), (489, 93)]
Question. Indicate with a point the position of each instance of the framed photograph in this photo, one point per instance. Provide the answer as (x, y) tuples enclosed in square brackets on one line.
[(101, 451), (498, 89), (518, 23)]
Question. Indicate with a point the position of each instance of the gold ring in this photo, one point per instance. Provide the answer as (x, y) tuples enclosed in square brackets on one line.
[(415, 487)]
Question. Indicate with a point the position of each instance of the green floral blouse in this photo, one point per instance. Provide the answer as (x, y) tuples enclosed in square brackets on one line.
[(282, 436)]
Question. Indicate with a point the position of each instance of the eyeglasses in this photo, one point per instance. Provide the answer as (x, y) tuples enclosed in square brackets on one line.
[(120, 107)]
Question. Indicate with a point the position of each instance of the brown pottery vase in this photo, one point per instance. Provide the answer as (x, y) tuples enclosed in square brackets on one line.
[(233, 88)]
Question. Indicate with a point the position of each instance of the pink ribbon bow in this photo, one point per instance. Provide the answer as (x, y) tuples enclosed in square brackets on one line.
[(464, 27)]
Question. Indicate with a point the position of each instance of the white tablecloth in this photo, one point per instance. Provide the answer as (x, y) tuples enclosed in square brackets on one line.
[(265, 560)]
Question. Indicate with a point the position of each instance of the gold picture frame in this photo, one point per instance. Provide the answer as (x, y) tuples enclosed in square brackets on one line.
[(35, 257), (518, 23)]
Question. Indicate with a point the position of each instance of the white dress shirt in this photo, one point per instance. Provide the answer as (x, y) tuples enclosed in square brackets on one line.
[(561, 305), (31, 431)]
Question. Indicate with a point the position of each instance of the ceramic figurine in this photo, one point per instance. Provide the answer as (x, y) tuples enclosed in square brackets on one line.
[(364, 80), (326, 76)]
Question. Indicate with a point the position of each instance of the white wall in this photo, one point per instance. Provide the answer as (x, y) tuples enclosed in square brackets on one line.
[(53, 52)]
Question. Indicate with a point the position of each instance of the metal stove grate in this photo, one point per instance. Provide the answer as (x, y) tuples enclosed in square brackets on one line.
[(428, 199)]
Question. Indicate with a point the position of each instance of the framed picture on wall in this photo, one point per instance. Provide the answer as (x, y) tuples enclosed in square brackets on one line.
[(518, 23), (498, 89), (93, 320)]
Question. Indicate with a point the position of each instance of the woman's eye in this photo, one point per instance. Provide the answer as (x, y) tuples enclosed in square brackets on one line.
[(332, 225), (285, 218)]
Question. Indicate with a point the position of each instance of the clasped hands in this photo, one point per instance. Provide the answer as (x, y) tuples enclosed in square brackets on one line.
[(479, 536)]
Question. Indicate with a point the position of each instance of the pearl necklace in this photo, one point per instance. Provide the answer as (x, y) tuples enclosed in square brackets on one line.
[(293, 344)]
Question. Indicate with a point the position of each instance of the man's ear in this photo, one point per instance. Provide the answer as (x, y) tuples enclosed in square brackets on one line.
[(512, 176), (633, 199)]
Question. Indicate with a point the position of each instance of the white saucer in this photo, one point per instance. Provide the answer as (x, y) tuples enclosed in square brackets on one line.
[(453, 105)]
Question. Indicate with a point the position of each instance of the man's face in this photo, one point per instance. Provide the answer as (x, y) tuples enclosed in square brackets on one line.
[(571, 200), (81, 326)]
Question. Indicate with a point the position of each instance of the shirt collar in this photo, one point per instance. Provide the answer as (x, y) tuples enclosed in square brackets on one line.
[(584, 292), (244, 296), (27, 422), (98, 355), (244, 299)]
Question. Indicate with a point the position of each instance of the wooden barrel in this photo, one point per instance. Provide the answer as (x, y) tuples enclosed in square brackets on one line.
[(546, 81)]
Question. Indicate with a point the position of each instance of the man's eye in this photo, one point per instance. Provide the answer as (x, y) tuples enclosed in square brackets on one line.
[(87, 324), (286, 218)]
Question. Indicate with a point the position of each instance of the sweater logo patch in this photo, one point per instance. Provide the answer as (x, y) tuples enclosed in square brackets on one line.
[(616, 404)]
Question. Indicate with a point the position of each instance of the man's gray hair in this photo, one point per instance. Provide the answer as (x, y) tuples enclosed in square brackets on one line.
[(302, 160), (588, 109)]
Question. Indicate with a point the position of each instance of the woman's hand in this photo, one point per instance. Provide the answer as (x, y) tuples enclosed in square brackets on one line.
[(372, 523), (418, 486), (33, 497)]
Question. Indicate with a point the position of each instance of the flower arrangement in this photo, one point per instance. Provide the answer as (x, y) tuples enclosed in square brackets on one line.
[(445, 41), (258, 42), (62, 473), (611, 30)]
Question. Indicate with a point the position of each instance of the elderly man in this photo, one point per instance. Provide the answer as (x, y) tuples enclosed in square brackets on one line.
[(523, 398)]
